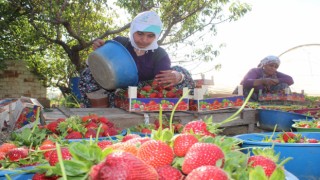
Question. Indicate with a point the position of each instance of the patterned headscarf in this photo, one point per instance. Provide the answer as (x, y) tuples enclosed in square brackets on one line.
[(268, 60), (148, 21)]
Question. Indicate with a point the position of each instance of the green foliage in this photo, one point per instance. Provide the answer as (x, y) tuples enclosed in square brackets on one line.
[(55, 37)]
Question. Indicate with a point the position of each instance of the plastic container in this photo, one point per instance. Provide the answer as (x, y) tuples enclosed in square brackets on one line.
[(269, 118), (112, 66), (13, 174), (301, 129), (306, 156)]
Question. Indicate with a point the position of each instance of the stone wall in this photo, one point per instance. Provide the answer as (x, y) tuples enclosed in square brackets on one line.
[(17, 81)]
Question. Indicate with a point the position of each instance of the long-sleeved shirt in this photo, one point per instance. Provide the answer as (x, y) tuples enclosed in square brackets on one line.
[(257, 73)]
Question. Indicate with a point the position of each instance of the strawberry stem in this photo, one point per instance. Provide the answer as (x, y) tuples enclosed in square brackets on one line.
[(35, 123), (233, 116), (64, 176), (160, 117), (174, 109), (98, 132)]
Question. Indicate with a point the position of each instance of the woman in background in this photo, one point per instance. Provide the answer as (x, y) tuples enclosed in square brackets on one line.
[(265, 79)]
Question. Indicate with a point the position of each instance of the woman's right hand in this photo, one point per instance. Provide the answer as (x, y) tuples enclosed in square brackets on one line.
[(97, 43)]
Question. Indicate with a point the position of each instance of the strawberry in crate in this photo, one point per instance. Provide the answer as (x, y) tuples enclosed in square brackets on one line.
[(76, 127), (155, 90)]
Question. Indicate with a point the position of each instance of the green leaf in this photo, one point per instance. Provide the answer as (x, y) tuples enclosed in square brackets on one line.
[(166, 135), (257, 173), (84, 152), (105, 153), (75, 168), (278, 174)]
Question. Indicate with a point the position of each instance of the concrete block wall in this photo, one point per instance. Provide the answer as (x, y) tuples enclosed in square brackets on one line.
[(17, 81)]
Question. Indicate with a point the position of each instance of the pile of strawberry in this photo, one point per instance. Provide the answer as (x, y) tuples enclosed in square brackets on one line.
[(291, 137), (196, 153), (76, 127), (13, 156), (154, 89), (308, 124)]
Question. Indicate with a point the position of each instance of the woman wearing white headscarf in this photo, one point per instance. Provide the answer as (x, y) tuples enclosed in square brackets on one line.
[(265, 78), (152, 61)]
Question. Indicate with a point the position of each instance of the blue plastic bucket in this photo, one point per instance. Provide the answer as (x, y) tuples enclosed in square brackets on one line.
[(306, 156), (269, 118), (112, 66)]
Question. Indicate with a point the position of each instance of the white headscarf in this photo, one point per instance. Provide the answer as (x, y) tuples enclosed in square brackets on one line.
[(148, 21), (268, 60)]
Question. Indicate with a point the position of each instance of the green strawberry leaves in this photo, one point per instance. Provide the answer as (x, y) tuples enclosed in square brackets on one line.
[(29, 137)]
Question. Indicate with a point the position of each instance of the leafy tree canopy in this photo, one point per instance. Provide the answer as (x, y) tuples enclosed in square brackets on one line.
[(54, 37)]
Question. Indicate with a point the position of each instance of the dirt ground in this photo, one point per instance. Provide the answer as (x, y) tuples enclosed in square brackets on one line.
[(4, 136)]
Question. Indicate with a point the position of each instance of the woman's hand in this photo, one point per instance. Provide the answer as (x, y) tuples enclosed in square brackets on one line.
[(270, 81), (169, 78), (97, 43)]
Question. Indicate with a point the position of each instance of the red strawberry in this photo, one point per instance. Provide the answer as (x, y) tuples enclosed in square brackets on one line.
[(17, 153), (178, 128), (42, 176), (47, 148), (201, 154), (103, 144), (197, 127), (103, 119), (159, 95), (169, 88), (207, 173), (313, 141), (156, 153), (92, 125), (74, 135), (90, 133), (146, 88), (85, 118), (169, 173), (182, 143), (53, 127), (153, 95), (110, 124), (155, 84), (111, 132), (146, 131), (47, 141), (123, 165), (53, 159), (286, 136), (104, 126), (170, 94), (2, 156), (130, 136), (267, 164), (5, 147)]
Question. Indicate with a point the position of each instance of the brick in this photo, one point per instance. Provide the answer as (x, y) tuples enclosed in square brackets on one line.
[(28, 80)]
